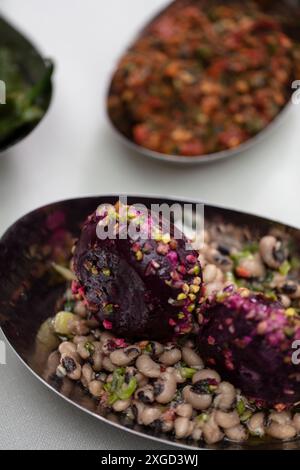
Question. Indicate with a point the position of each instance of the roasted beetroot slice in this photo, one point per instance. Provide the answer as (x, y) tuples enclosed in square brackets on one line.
[(142, 288), (248, 339)]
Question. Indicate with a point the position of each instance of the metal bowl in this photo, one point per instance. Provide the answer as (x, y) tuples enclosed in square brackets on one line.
[(289, 13), (29, 292)]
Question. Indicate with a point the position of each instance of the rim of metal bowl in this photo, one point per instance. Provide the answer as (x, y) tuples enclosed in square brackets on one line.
[(210, 157), (159, 439)]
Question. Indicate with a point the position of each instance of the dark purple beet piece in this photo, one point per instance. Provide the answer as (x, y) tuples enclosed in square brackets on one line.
[(248, 339), (140, 288)]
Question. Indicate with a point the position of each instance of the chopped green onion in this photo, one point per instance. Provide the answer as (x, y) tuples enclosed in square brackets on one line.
[(202, 418), (295, 262), (245, 416), (112, 398), (108, 309), (64, 272), (117, 389), (230, 277), (89, 347), (126, 392), (240, 255), (252, 247), (106, 272), (187, 372), (69, 306), (269, 277), (285, 268), (271, 295), (118, 379), (63, 323), (240, 407)]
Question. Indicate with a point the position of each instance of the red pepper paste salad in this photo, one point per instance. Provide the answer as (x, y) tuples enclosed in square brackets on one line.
[(203, 77)]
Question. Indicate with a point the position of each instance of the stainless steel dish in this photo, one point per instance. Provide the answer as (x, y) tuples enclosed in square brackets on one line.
[(289, 12), (28, 294), (36, 73)]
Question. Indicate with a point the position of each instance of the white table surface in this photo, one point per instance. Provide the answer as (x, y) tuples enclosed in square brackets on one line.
[(73, 153)]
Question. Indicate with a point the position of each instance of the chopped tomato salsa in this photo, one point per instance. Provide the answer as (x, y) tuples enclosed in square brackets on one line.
[(201, 80)]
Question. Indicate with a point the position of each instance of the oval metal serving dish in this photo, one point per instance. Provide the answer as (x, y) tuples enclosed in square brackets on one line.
[(29, 292), (20, 61), (289, 13)]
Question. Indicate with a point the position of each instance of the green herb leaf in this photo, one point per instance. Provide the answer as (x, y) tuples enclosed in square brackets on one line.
[(285, 268), (187, 372)]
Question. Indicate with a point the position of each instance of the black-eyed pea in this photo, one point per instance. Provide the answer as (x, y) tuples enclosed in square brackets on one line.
[(150, 414), (80, 327), (147, 366), (177, 374), (252, 266), (97, 357), (183, 427), (197, 434), (206, 236), (199, 401), (296, 294), (145, 394), (138, 409), (125, 356), (209, 273), (107, 364), (272, 251), (213, 288), (211, 431), (285, 300), (296, 421), (156, 348), (166, 424), (121, 405), (95, 388), (87, 374), (205, 374), (72, 366), (82, 350), (165, 388), (191, 358), (282, 417), (283, 432), (256, 424), (67, 347), (227, 420), (185, 410), (141, 379), (105, 336), (225, 396), (237, 433), (170, 356), (80, 309), (82, 339), (189, 343)]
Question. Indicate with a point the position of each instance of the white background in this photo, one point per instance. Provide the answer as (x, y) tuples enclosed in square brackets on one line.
[(73, 153)]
